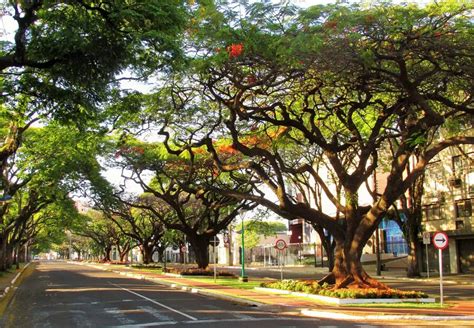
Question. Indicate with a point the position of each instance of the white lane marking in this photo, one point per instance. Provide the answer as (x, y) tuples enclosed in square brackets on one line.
[(242, 316), (119, 315), (151, 324), (155, 313), (155, 302)]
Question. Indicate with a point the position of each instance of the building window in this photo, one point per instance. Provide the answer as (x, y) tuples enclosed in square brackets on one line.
[(432, 212), (464, 208)]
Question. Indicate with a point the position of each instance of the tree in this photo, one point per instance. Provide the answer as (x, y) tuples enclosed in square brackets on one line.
[(98, 228), (174, 196), (65, 57), (255, 229), (142, 226), (344, 80)]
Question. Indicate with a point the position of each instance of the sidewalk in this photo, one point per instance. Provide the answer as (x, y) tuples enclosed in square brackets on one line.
[(297, 305)]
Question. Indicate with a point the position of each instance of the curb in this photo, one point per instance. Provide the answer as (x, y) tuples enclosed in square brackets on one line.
[(446, 279), (12, 283), (343, 301), (388, 317)]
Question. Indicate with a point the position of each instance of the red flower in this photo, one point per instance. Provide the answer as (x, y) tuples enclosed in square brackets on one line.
[(235, 50), (331, 24), (251, 79)]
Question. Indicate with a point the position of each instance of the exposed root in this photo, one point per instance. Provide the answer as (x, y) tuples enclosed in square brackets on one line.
[(374, 283), (330, 279), (362, 280), (344, 283)]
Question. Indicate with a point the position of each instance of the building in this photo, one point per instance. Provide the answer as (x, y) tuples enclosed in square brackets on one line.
[(447, 206)]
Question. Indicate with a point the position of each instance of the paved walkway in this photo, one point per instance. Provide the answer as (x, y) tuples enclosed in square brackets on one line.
[(293, 304)]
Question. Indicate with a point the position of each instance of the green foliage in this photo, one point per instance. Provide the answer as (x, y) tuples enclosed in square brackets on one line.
[(255, 229), (312, 287), (197, 272)]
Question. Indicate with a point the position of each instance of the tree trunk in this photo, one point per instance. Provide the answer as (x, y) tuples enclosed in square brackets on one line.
[(3, 253), (123, 254), (161, 253), (107, 251), (413, 269), (327, 245), (348, 271), (147, 252), (200, 246)]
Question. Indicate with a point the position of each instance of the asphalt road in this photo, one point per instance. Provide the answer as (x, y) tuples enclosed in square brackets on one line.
[(58, 294)]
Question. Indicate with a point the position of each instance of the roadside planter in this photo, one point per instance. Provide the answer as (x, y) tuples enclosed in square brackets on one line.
[(322, 293)]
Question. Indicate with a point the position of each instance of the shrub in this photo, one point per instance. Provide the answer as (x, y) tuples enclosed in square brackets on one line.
[(198, 272), (312, 287)]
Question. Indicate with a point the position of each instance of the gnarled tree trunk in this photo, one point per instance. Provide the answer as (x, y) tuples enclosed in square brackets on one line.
[(147, 252), (107, 251), (200, 244)]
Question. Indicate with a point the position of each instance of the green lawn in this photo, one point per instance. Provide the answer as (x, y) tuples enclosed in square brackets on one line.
[(230, 282), (402, 305), (7, 276)]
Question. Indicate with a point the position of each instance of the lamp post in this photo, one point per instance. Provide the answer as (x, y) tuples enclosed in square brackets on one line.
[(243, 277)]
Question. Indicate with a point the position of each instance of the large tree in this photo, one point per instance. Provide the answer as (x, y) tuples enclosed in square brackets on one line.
[(174, 195), (345, 81), (64, 58)]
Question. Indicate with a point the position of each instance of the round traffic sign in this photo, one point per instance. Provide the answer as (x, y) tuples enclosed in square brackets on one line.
[(280, 244), (440, 240)]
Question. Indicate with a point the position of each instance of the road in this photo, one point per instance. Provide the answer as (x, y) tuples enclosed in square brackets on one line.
[(58, 294)]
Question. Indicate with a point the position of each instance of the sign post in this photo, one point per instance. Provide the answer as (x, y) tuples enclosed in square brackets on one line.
[(440, 241), (280, 245), (215, 258), (427, 241)]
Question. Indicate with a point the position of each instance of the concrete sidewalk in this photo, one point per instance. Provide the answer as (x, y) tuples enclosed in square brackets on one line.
[(458, 311)]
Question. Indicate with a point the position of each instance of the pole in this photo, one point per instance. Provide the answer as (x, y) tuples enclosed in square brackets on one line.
[(243, 277), (215, 259), (281, 264), (164, 260), (70, 247), (440, 255), (427, 262), (377, 251), (185, 250), (231, 255), (322, 254)]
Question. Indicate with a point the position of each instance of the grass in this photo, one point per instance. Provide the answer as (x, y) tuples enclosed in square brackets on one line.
[(229, 282), (407, 305), (7, 276)]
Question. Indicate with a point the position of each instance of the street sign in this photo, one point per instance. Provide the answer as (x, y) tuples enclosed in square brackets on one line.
[(280, 244), (426, 238), (440, 240)]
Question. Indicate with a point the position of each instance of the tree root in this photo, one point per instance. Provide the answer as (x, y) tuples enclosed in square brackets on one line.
[(330, 279), (362, 280)]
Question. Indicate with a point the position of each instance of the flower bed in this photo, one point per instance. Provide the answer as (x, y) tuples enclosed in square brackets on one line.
[(146, 266), (197, 272), (313, 288)]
